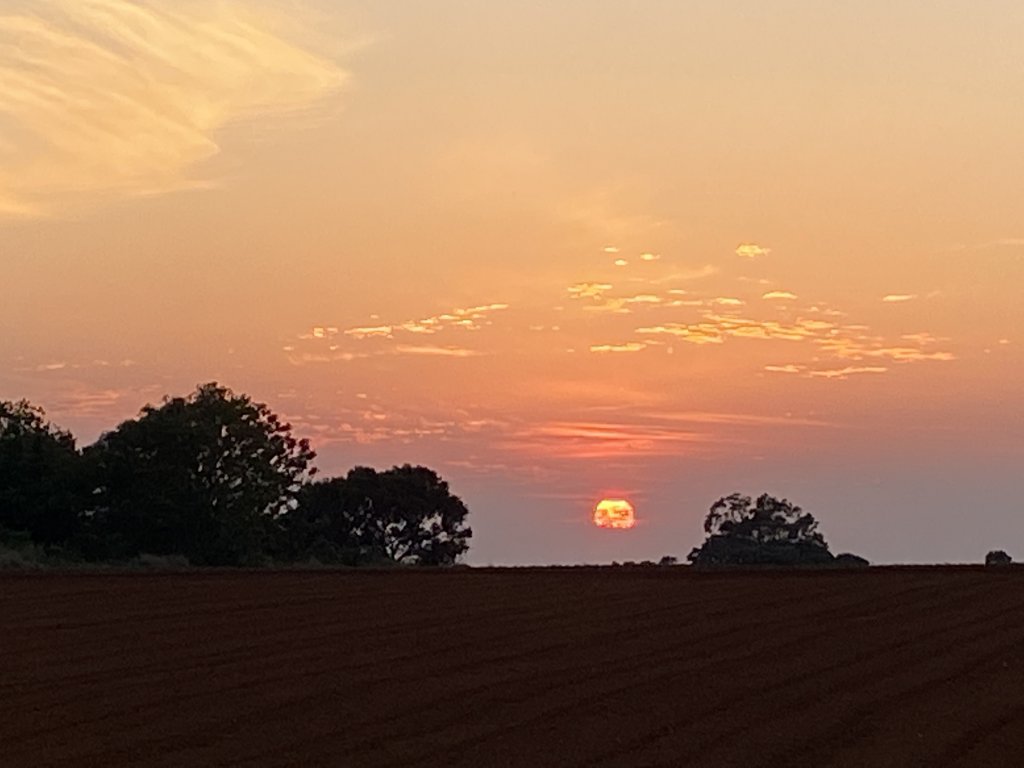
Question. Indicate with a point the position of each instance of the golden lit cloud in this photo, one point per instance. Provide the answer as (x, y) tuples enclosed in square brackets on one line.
[(827, 373), (897, 298), (111, 97), (779, 295), (751, 250), (368, 331), (632, 346), (842, 373), (588, 290), (434, 351), (470, 319)]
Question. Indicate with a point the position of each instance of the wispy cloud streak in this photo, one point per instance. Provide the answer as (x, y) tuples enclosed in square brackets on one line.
[(111, 97)]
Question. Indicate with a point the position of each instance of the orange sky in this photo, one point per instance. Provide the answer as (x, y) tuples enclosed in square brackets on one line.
[(556, 250)]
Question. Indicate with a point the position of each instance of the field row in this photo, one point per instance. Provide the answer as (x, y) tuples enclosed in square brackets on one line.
[(596, 667)]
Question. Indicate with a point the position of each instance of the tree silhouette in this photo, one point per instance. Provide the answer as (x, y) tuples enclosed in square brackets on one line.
[(202, 476), (403, 515), (38, 472), (998, 557), (768, 531)]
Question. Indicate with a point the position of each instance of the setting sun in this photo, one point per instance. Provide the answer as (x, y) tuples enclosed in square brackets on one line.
[(614, 513)]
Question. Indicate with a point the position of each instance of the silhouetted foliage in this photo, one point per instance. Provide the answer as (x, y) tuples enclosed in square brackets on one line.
[(998, 557), (402, 515), (847, 560), (38, 473), (668, 560), (767, 532), (202, 476)]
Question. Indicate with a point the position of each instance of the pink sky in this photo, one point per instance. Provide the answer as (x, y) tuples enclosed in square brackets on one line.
[(557, 251)]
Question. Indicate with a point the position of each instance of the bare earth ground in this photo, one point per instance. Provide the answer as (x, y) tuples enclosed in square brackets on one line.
[(532, 667)]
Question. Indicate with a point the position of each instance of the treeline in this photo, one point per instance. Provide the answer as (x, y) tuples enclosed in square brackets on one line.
[(217, 479)]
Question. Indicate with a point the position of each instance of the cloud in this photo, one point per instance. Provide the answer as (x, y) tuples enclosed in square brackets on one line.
[(702, 333), (369, 331), (650, 256), (739, 419), (83, 402), (828, 373), (842, 373), (588, 290), (434, 351), (896, 298), (751, 250), (858, 347), (632, 346), (779, 295), (469, 319), (588, 440), (118, 98)]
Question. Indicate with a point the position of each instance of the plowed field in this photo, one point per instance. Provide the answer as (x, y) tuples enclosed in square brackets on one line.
[(532, 667)]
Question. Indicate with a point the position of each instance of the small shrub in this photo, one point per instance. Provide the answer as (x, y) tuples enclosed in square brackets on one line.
[(848, 560), (998, 557)]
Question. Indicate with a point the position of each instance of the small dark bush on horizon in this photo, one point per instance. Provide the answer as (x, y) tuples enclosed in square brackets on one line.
[(211, 479), (998, 557)]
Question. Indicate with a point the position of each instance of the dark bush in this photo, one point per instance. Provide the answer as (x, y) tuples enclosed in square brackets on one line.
[(847, 560), (998, 557)]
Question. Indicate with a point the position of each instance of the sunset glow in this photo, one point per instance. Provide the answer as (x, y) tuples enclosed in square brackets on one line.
[(616, 514), (549, 249)]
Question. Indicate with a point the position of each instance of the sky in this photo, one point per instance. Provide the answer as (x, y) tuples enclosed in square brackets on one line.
[(558, 251)]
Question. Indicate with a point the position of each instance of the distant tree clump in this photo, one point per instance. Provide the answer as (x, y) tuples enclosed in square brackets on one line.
[(766, 532), (998, 557), (847, 560), (668, 560), (39, 467), (403, 515), (202, 476)]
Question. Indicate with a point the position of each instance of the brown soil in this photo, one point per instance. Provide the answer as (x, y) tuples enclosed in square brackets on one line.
[(532, 667)]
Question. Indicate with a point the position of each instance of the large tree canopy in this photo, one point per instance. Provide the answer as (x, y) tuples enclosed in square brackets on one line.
[(38, 465), (768, 531), (201, 476), (404, 515)]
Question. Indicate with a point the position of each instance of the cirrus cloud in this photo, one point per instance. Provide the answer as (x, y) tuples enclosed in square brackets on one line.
[(119, 98)]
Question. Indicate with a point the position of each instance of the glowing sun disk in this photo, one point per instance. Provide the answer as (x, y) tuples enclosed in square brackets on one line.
[(615, 514)]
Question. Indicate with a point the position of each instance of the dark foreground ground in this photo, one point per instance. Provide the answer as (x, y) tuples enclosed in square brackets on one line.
[(583, 667)]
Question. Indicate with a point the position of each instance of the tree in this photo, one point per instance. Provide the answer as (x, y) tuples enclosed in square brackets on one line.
[(202, 476), (998, 557), (402, 515), (38, 466), (848, 560), (769, 531)]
